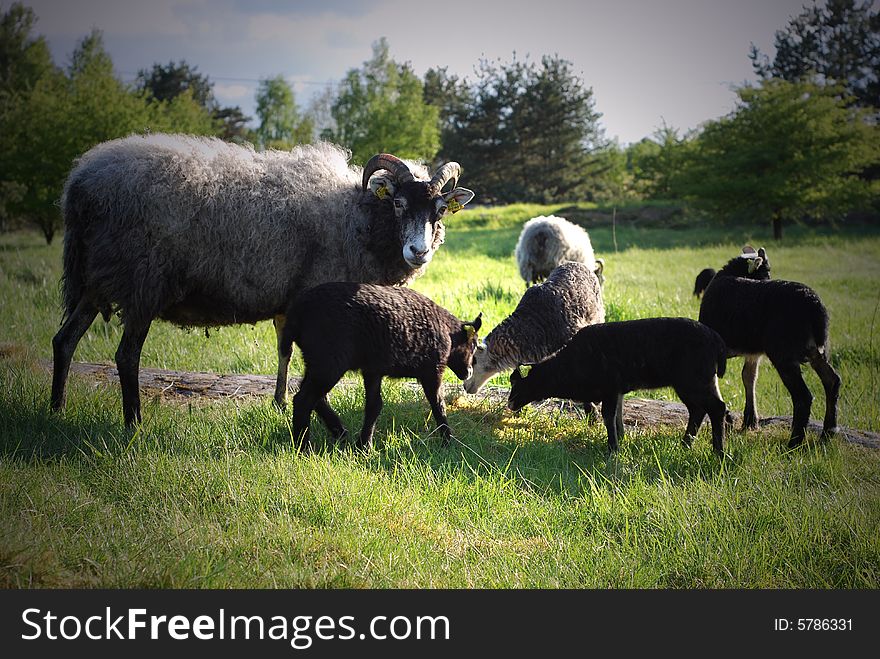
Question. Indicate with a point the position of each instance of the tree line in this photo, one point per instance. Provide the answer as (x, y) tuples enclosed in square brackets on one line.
[(802, 142)]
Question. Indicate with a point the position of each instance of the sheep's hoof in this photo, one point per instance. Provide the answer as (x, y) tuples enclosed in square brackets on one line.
[(795, 442), (750, 425), (280, 404), (687, 440), (829, 433), (339, 435)]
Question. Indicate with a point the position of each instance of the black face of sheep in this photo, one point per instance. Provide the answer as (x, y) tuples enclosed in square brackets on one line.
[(418, 206), (205, 233)]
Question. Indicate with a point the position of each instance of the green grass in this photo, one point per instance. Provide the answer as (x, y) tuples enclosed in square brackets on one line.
[(210, 493)]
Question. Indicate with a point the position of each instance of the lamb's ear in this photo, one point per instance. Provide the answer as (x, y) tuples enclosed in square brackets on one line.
[(457, 198), (473, 327), (754, 264), (762, 253), (600, 267), (478, 321), (382, 186)]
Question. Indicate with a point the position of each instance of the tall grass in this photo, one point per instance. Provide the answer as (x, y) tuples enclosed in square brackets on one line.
[(211, 494)]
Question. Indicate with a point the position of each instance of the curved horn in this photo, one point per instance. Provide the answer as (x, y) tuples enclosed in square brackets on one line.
[(451, 170), (390, 163)]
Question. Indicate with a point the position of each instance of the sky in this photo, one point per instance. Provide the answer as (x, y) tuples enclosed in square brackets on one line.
[(649, 63)]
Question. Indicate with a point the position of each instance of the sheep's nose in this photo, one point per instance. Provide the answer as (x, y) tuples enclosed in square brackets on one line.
[(417, 253)]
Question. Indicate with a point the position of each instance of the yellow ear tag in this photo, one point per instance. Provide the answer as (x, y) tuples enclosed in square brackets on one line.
[(453, 206), (471, 332), (381, 192), (525, 369)]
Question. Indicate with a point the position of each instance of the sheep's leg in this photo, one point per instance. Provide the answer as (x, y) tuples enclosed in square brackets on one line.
[(372, 407), (801, 398), (696, 414), (831, 383), (63, 345), (330, 418), (717, 410), (432, 385), (128, 361), (284, 353), (305, 400), (592, 411), (612, 412), (750, 378)]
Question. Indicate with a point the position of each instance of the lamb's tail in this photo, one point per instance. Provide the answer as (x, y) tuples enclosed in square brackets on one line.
[(819, 323)]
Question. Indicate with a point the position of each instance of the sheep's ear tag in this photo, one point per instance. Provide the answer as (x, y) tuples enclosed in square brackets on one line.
[(471, 331), (453, 206), (381, 192), (754, 264), (525, 369)]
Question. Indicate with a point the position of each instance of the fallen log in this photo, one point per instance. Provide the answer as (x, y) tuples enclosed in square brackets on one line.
[(636, 411)]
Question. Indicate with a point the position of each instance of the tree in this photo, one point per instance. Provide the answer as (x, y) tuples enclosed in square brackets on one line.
[(788, 149), (657, 163), (838, 44), (24, 58), (522, 131), (68, 112), (381, 108), (166, 83), (280, 123)]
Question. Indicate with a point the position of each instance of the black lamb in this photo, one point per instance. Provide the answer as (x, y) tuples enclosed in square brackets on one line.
[(784, 320), (380, 331), (603, 362)]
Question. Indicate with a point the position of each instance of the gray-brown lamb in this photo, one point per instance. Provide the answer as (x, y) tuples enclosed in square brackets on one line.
[(545, 319)]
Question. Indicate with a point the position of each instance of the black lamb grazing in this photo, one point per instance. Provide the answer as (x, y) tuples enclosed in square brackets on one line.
[(784, 320), (380, 331), (602, 362), (702, 281)]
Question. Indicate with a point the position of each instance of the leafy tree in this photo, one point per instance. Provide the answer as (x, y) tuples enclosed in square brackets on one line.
[(24, 58), (787, 150), (280, 123), (657, 163), (68, 112), (523, 132), (381, 108), (168, 82), (838, 43)]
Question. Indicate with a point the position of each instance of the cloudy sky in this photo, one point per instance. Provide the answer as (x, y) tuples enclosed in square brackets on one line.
[(647, 61)]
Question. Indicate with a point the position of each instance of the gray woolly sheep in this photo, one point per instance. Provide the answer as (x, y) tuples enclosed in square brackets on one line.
[(380, 331), (786, 321), (545, 319), (205, 233), (602, 362), (545, 242)]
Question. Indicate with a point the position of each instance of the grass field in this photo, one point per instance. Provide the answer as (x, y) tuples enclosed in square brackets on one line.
[(210, 494)]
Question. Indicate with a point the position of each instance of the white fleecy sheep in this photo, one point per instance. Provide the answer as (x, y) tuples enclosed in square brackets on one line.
[(547, 241)]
